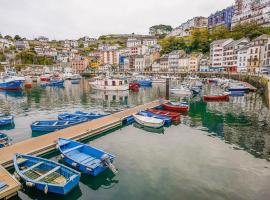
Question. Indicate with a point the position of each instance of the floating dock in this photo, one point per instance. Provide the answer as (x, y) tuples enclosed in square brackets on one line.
[(46, 143)]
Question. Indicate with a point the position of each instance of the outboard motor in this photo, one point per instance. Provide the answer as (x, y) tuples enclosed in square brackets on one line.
[(107, 162)]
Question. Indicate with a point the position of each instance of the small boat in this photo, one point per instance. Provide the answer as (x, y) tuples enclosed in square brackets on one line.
[(222, 97), (10, 83), (6, 120), (75, 81), (175, 107), (238, 87), (45, 175), (134, 86), (143, 81), (53, 125), (167, 120), (149, 121), (85, 158), (173, 115), (68, 116), (5, 140), (91, 115)]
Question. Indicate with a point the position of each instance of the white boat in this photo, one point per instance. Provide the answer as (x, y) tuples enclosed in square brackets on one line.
[(109, 84), (149, 121), (69, 75), (180, 90)]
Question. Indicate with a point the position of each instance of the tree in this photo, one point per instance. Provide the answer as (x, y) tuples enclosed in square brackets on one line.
[(17, 37), (8, 37)]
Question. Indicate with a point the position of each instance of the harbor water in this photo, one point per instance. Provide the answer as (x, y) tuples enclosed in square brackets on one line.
[(220, 150)]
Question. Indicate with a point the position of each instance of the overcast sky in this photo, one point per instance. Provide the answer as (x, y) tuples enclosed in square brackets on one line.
[(71, 19)]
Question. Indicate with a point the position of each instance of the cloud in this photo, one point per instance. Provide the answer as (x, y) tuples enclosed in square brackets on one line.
[(62, 19)]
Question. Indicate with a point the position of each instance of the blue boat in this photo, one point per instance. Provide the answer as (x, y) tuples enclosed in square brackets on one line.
[(238, 87), (68, 116), (45, 175), (145, 83), (128, 120), (76, 81), (10, 84), (5, 140), (53, 125), (6, 120), (85, 158), (167, 120), (91, 115)]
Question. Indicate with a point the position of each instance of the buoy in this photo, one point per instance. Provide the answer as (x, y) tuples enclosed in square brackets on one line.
[(46, 189)]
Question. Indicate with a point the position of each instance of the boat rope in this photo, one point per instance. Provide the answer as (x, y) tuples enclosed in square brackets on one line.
[(107, 162)]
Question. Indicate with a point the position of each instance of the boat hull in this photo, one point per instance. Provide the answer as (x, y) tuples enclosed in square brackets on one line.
[(175, 108), (6, 120), (167, 120), (11, 85), (173, 115), (148, 123)]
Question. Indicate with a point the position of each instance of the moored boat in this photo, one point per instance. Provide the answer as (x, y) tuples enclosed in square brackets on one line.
[(68, 116), (45, 175), (149, 121), (53, 125), (173, 115), (167, 120), (222, 97), (175, 107), (85, 158), (6, 120), (5, 140), (237, 87), (10, 83)]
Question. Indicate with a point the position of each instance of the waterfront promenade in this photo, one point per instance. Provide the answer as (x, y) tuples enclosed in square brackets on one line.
[(46, 143)]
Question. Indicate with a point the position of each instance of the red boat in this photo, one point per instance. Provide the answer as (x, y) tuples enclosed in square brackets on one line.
[(178, 108), (134, 86), (44, 78), (224, 97), (28, 85), (173, 115)]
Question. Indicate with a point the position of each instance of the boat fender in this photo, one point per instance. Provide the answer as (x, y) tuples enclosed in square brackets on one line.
[(46, 189), (29, 184), (74, 164)]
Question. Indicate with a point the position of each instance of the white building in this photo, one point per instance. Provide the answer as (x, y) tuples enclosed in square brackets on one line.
[(216, 53), (242, 59), (156, 66), (139, 64), (108, 47), (183, 65), (164, 64), (173, 60), (150, 42), (23, 44), (133, 42)]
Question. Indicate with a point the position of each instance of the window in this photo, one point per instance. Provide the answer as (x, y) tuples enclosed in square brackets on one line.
[(106, 83)]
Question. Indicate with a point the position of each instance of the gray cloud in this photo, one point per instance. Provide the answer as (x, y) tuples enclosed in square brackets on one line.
[(62, 19)]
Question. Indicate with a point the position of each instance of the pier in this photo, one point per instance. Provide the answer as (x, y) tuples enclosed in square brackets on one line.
[(46, 143)]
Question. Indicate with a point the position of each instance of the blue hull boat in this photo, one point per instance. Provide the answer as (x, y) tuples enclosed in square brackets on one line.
[(167, 120), (128, 120), (11, 85), (91, 115), (85, 158), (53, 125), (6, 120), (45, 175), (68, 116), (145, 83), (5, 140)]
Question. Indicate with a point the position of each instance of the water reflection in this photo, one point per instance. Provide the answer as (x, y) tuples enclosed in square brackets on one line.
[(149, 129)]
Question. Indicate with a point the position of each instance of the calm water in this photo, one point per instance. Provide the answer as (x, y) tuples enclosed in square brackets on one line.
[(219, 151)]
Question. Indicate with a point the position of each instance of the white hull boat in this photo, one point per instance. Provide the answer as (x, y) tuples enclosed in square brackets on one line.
[(149, 121), (110, 84)]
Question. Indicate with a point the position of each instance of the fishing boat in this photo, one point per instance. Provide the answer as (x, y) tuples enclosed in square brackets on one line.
[(237, 87), (149, 121), (10, 82), (6, 120), (173, 115), (180, 90), (85, 158), (143, 81), (45, 175), (167, 120), (179, 107), (5, 140), (72, 117), (91, 115), (53, 125), (220, 97), (109, 84)]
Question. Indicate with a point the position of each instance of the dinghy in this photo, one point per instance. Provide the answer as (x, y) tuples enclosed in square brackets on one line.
[(45, 175), (68, 116), (91, 115), (5, 140), (167, 120), (149, 121), (85, 158), (175, 107), (6, 120), (53, 125), (173, 115)]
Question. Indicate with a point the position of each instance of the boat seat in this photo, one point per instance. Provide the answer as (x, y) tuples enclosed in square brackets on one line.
[(66, 123), (72, 149), (32, 167), (94, 163), (54, 124), (48, 173), (87, 160)]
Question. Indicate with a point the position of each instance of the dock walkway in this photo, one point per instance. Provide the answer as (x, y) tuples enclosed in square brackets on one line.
[(45, 143)]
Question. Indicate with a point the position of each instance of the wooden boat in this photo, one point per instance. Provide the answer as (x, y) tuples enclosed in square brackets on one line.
[(223, 97), (85, 158), (6, 120), (149, 121), (45, 175), (91, 115), (5, 140), (173, 115), (175, 107), (53, 125), (72, 117), (167, 120)]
